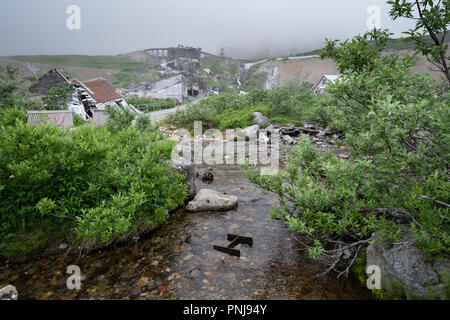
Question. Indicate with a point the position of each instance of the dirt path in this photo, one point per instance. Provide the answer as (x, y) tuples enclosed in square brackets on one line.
[(161, 115)]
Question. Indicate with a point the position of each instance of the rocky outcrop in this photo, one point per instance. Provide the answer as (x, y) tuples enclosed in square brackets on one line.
[(405, 267), (311, 130), (187, 169), (9, 293), (261, 120), (323, 139), (210, 200)]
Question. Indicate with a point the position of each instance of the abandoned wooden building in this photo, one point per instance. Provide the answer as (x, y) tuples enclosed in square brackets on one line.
[(87, 96), (48, 81), (326, 80), (103, 93)]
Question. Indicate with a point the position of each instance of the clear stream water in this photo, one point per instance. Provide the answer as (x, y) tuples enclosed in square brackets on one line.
[(177, 261)]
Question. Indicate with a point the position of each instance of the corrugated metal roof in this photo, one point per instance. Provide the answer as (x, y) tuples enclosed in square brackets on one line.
[(167, 83), (101, 90), (76, 82)]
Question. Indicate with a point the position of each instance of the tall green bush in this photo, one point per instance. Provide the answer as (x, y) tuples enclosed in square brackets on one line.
[(105, 184), (396, 128)]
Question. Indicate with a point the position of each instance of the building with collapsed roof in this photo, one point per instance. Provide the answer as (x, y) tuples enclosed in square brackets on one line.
[(96, 94), (101, 92)]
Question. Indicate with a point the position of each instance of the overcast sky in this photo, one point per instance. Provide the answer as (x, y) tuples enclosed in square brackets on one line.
[(243, 27)]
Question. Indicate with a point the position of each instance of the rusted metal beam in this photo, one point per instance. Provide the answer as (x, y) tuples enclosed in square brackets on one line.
[(235, 240), (230, 251), (241, 239)]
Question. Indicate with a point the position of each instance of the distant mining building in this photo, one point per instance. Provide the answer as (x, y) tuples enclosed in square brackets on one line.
[(186, 60)]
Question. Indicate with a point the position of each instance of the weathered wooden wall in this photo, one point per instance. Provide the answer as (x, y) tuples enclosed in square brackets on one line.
[(100, 117), (61, 118), (47, 82)]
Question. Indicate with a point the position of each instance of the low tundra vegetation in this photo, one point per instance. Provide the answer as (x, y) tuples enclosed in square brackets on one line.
[(288, 105)]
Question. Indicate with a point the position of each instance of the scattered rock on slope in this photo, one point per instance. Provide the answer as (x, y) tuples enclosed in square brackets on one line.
[(261, 120)]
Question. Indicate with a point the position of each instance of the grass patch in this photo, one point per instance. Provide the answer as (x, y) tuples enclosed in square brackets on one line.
[(125, 79), (23, 244), (150, 104), (286, 121), (240, 118), (84, 61)]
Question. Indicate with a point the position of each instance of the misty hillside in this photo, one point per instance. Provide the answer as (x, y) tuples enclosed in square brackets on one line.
[(221, 73), (122, 70)]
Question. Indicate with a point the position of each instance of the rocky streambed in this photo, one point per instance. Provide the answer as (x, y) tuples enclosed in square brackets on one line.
[(178, 261)]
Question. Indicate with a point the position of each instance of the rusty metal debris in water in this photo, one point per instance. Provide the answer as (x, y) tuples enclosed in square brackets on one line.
[(234, 241)]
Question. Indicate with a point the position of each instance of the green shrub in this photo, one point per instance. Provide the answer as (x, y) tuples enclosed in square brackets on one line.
[(291, 104), (57, 97), (9, 117), (78, 121), (143, 122), (320, 194), (396, 128), (13, 93), (103, 184), (241, 118), (119, 119)]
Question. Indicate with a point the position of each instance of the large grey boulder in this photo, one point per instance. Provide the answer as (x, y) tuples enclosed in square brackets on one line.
[(404, 266), (9, 293), (211, 200), (187, 169), (261, 120)]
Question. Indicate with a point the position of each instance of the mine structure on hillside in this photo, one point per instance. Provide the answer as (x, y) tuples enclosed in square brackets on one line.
[(180, 60), (175, 52), (183, 59)]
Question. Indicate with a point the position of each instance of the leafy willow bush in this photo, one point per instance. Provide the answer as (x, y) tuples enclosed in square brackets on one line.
[(105, 184), (9, 117), (396, 128), (320, 195)]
